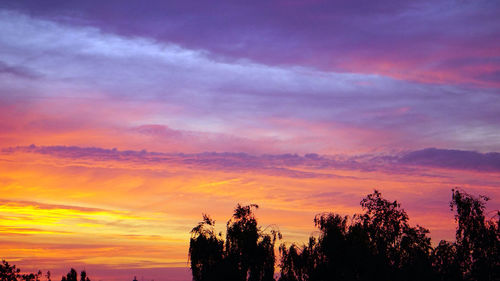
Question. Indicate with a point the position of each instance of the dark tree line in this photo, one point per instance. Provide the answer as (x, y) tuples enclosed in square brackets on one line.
[(378, 244), (11, 273), (73, 276)]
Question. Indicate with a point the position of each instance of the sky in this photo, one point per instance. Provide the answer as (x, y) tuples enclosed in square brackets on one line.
[(121, 122)]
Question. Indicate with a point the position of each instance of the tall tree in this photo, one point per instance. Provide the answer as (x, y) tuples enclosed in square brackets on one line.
[(477, 239), (206, 251), (83, 276), (246, 254), (72, 275)]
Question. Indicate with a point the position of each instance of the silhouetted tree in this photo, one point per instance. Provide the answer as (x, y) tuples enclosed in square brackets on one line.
[(298, 264), (445, 261), (246, 254), (376, 245), (72, 275), (11, 273), (247, 248), (477, 239), (32, 276), (83, 276), (380, 245), (206, 251)]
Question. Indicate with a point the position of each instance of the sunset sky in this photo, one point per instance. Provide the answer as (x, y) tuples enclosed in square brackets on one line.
[(121, 122)]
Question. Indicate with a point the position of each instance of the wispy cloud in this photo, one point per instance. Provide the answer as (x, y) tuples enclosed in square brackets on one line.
[(429, 41), (453, 159), (191, 90), (280, 163)]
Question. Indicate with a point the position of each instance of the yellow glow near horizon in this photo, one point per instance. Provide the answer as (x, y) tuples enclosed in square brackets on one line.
[(138, 214)]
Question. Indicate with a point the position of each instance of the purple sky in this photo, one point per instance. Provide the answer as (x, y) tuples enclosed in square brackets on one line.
[(422, 74)]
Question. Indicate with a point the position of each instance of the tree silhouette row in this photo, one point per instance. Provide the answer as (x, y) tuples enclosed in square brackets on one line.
[(378, 244), (10, 272)]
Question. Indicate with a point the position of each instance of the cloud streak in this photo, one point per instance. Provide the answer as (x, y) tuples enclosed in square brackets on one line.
[(453, 159), (279, 163), (429, 41), (191, 90)]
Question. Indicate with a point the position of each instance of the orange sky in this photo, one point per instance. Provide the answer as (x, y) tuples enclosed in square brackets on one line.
[(134, 210)]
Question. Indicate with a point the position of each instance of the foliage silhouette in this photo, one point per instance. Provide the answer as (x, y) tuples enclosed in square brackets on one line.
[(380, 245), (72, 275), (445, 261), (83, 276), (376, 245), (477, 246), (11, 273), (206, 251), (246, 254)]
